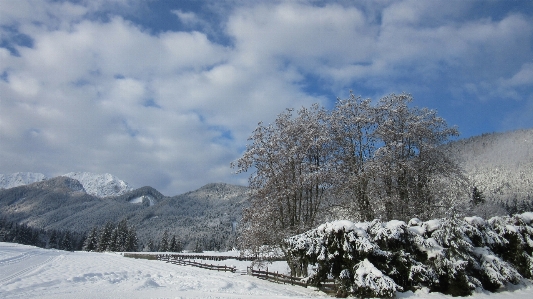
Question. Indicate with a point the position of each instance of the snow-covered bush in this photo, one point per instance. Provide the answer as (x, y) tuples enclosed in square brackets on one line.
[(450, 255), (371, 282), (518, 233)]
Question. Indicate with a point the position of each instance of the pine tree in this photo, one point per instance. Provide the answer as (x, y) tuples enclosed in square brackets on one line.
[(113, 240), (173, 247), (104, 240), (131, 240), (66, 242), (150, 247), (91, 242), (477, 196), (53, 240), (122, 233), (163, 245)]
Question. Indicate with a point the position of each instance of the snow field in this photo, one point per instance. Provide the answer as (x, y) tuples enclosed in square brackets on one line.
[(30, 272)]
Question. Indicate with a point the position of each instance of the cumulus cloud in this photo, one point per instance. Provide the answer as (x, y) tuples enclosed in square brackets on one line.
[(86, 87)]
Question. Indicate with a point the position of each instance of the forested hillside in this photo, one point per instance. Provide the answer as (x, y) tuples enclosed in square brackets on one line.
[(500, 165), (203, 219)]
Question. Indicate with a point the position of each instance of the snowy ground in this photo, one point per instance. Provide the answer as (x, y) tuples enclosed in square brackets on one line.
[(30, 272)]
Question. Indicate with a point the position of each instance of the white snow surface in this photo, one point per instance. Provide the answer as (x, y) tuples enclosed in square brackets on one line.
[(527, 217), (100, 185), (19, 179), (30, 272)]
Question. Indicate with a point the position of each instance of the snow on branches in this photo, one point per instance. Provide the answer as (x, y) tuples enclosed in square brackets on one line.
[(449, 255), (360, 159)]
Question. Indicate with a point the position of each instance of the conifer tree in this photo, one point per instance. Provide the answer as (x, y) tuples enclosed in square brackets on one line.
[(131, 240), (53, 241), (173, 247), (163, 245), (104, 240), (477, 196), (91, 242), (67, 242)]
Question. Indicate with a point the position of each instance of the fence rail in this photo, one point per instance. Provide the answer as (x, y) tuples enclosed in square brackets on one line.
[(223, 257), (328, 286), (184, 262)]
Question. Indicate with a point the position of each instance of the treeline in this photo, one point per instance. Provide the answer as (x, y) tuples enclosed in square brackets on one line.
[(112, 237), (166, 244), (516, 206), (27, 235), (448, 255)]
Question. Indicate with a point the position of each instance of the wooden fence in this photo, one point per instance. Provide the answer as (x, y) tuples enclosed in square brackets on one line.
[(218, 257), (327, 286), (184, 262)]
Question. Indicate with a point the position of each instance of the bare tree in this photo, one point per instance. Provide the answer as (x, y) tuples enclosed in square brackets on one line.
[(374, 161), (290, 180), (352, 127), (409, 159)]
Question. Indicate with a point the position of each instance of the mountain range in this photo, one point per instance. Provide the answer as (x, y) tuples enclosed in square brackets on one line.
[(99, 185), (207, 216), (500, 165)]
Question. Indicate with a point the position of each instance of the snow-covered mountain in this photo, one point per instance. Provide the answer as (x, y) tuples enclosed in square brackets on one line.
[(100, 185), (19, 179), (219, 191), (207, 216)]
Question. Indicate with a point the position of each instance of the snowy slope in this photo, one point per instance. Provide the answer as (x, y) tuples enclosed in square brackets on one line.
[(29, 272), (100, 185), (499, 164), (19, 179)]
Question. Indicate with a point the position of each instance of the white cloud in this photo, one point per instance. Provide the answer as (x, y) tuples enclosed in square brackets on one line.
[(172, 109), (187, 18), (524, 77)]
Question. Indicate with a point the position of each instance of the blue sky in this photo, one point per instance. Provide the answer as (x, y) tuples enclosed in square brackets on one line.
[(166, 93)]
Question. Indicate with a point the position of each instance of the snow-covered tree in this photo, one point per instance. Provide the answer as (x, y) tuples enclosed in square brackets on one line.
[(53, 240), (517, 231), (164, 243), (367, 160), (67, 242), (408, 158), (175, 245), (449, 255), (371, 282), (91, 242), (104, 239), (477, 196), (353, 124), (131, 240), (289, 185)]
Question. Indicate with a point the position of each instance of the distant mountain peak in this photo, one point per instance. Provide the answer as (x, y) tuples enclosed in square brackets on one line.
[(19, 179), (100, 185), (61, 183)]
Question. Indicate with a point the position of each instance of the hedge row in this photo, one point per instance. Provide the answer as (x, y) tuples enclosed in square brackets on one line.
[(450, 255)]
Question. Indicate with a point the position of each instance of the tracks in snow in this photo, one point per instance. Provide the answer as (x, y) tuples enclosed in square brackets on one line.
[(25, 270)]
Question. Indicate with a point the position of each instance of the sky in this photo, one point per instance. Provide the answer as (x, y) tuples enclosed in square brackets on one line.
[(166, 93)]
